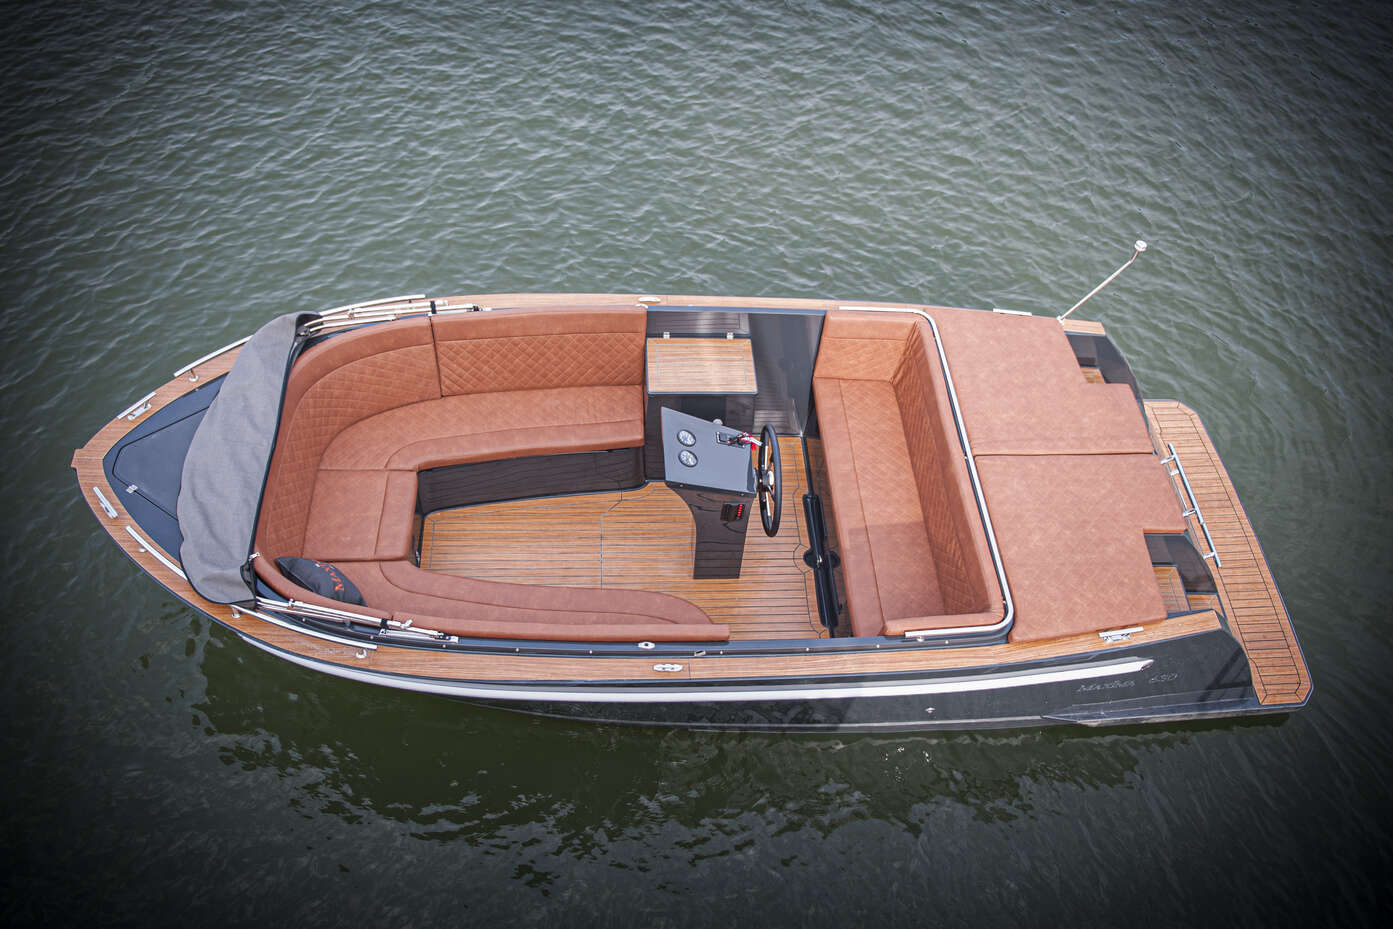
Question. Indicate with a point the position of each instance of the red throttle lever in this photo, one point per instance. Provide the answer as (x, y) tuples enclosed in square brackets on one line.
[(739, 438)]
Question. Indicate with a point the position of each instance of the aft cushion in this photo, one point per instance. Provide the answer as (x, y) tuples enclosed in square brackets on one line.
[(1022, 391), (1072, 531)]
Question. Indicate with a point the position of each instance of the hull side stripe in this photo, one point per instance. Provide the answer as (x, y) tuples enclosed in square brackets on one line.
[(738, 693)]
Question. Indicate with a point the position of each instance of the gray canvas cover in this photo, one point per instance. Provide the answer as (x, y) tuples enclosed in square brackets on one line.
[(224, 473)]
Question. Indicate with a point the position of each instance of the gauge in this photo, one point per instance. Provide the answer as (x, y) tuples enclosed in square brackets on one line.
[(685, 437), (687, 458)]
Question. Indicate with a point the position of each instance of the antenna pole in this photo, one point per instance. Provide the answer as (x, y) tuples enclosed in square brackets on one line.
[(1137, 248)]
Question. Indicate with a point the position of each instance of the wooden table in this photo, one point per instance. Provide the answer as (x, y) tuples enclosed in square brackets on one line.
[(713, 378), (700, 366)]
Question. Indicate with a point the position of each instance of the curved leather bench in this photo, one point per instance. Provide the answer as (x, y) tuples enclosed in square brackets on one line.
[(914, 553), (365, 410)]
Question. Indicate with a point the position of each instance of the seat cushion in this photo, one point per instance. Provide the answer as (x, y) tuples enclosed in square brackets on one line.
[(1022, 391), (361, 515), (335, 383), (407, 587), (482, 427), (914, 551), (887, 562), (594, 346)]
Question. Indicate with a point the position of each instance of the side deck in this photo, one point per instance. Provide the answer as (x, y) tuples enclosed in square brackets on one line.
[(1249, 595)]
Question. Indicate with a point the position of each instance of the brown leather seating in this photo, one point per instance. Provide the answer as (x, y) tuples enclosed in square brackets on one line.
[(367, 409), (1072, 531), (1022, 393), (914, 554), (1069, 473)]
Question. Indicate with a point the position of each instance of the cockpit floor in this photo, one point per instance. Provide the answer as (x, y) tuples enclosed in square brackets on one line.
[(637, 539)]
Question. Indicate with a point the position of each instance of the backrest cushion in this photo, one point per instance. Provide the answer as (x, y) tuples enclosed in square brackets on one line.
[(862, 346), (945, 490), (342, 380), (534, 349)]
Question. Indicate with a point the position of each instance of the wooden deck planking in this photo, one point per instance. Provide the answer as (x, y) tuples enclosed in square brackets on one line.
[(694, 366), (637, 539), (1089, 326), (1247, 590)]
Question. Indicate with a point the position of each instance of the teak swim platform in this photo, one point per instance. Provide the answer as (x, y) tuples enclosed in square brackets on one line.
[(544, 502)]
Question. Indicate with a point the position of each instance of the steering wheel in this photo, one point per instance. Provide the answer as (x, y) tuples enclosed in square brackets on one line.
[(769, 477)]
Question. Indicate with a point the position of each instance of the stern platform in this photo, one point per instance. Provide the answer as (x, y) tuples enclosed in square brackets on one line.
[(1249, 596)]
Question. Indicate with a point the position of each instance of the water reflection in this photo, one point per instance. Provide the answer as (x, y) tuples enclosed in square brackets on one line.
[(452, 771)]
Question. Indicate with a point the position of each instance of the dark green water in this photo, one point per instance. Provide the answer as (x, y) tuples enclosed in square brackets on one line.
[(173, 174)]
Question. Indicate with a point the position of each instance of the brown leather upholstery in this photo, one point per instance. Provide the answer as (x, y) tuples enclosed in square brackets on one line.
[(335, 384), (365, 410), (1071, 529), (488, 609), (413, 590), (361, 516), (541, 348), (1022, 391), (1068, 471), (485, 427), (643, 605), (914, 554)]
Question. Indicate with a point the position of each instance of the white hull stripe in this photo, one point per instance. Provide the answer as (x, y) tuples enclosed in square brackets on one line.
[(735, 693)]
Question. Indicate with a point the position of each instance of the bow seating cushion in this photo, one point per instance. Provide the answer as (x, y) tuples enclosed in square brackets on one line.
[(367, 409)]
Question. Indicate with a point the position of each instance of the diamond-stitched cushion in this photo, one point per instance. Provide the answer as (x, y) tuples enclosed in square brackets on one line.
[(900, 488), (544, 380)]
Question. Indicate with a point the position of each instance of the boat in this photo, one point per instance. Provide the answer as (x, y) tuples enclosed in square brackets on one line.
[(713, 512)]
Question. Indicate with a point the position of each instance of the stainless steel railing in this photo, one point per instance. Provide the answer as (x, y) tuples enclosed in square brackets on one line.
[(1194, 506)]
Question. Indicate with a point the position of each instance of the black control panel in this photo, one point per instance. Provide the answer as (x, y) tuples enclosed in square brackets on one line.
[(713, 472), (701, 454)]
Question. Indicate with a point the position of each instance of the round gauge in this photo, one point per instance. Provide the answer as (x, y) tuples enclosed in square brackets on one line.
[(687, 458), (685, 437)]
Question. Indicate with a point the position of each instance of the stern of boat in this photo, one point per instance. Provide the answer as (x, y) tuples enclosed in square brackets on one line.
[(1247, 594)]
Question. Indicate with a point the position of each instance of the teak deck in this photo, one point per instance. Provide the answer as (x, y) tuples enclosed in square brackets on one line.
[(638, 539), (1172, 589), (1247, 591), (695, 366)]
